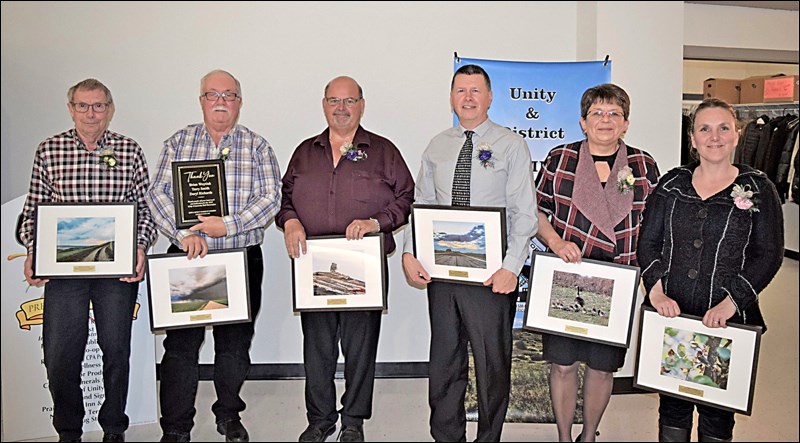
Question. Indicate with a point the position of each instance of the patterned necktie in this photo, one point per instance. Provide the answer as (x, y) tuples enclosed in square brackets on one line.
[(461, 177)]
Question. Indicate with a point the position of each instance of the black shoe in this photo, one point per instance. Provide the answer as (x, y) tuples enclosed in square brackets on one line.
[(351, 433), (580, 436), (171, 436), (60, 438), (314, 433), (233, 431), (114, 437)]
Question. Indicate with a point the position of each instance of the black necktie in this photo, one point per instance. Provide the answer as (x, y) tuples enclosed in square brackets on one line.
[(461, 177)]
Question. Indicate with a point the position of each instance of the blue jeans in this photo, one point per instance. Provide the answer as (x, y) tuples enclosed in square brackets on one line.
[(180, 364), (712, 422), (64, 334)]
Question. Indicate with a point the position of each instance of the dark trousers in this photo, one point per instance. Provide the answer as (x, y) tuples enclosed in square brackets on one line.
[(65, 331), (358, 332), (460, 313), (180, 364), (712, 422)]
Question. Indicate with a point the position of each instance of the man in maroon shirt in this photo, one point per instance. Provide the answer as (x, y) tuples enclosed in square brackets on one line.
[(348, 181)]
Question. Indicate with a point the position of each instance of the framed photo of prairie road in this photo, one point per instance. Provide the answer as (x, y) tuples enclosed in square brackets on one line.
[(199, 189), (84, 240), (459, 244), (592, 300), (199, 292), (683, 358), (336, 274)]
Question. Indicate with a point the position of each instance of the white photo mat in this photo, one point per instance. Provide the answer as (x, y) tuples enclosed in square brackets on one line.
[(214, 289), (737, 396), (609, 323), (432, 223), (350, 274), (87, 229)]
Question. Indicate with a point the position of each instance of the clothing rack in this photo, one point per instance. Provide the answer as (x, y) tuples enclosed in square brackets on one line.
[(752, 111)]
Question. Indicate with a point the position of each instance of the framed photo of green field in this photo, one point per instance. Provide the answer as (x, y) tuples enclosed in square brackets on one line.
[(464, 244), (683, 358), (336, 274), (592, 300), (199, 292), (84, 240)]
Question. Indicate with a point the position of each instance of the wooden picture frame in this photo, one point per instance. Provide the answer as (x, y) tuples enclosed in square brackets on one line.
[(204, 291), (592, 300), (84, 240), (459, 244)]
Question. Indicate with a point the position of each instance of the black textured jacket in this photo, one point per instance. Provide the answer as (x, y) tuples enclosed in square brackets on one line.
[(706, 250)]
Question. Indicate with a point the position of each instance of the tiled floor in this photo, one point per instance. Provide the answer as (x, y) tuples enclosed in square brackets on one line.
[(276, 412)]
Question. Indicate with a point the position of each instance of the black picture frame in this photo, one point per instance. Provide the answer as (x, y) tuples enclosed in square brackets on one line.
[(199, 188)]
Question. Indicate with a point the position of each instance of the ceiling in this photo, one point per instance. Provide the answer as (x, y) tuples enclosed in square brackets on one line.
[(786, 6)]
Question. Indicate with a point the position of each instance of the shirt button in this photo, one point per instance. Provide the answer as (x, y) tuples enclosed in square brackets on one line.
[(703, 213), (692, 274), (698, 243)]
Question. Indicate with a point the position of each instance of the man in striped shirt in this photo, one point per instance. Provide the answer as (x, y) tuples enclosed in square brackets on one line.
[(88, 164), (253, 188)]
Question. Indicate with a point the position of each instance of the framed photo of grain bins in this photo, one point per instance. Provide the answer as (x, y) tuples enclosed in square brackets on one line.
[(199, 292), (336, 274), (459, 244), (84, 240), (683, 358), (591, 300)]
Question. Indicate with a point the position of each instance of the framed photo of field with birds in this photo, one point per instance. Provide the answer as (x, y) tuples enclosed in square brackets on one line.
[(464, 244), (591, 300), (683, 358)]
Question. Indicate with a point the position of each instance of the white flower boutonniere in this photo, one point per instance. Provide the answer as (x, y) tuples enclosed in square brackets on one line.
[(108, 157), (352, 153), (485, 155), (625, 180), (223, 154), (743, 198)]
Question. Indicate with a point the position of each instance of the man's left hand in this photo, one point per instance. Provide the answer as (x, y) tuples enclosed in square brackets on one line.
[(210, 225), (140, 262), (502, 282)]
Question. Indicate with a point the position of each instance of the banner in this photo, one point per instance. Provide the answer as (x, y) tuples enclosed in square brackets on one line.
[(541, 101), (27, 405)]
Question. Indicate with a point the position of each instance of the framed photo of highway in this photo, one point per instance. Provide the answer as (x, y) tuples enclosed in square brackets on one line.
[(84, 240), (592, 300), (683, 358), (459, 244), (203, 291), (336, 274)]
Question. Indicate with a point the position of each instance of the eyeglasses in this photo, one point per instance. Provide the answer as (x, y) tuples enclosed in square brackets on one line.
[(213, 96), (84, 107), (612, 115), (349, 101)]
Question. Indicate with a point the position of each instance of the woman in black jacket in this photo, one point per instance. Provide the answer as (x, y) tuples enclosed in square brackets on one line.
[(710, 242)]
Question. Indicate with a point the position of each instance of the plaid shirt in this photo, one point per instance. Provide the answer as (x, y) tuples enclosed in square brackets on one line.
[(252, 180), (554, 186), (65, 171)]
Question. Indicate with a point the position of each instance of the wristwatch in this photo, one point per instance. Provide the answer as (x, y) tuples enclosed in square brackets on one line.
[(377, 223)]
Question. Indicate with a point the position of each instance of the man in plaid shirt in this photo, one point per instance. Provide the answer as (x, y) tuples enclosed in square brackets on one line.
[(88, 164)]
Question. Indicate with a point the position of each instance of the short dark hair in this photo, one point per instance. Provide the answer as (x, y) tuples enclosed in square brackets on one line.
[(471, 70), (606, 93)]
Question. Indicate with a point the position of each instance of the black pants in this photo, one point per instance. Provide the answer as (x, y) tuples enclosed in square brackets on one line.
[(358, 332), (461, 313), (712, 422), (180, 364)]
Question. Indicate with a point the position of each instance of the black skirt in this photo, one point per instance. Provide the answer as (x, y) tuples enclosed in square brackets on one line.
[(566, 351)]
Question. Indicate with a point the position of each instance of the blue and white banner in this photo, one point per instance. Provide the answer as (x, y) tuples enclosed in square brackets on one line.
[(541, 101)]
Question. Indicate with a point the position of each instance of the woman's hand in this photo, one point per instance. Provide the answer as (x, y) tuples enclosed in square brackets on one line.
[(665, 306)]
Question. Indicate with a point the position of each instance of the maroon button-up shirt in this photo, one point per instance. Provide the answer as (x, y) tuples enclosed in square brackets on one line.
[(326, 199)]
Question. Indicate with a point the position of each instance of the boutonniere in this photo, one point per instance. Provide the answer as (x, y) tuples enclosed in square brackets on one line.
[(352, 153), (485, 155), (223, 154), (108, 157), (743, 198), (625, 180)]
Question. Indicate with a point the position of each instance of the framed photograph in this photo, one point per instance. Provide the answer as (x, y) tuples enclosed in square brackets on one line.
[(84, 240), (683, 358), (199, 189), (459, 244), (336, 274), (199, 292), (591, 300)]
